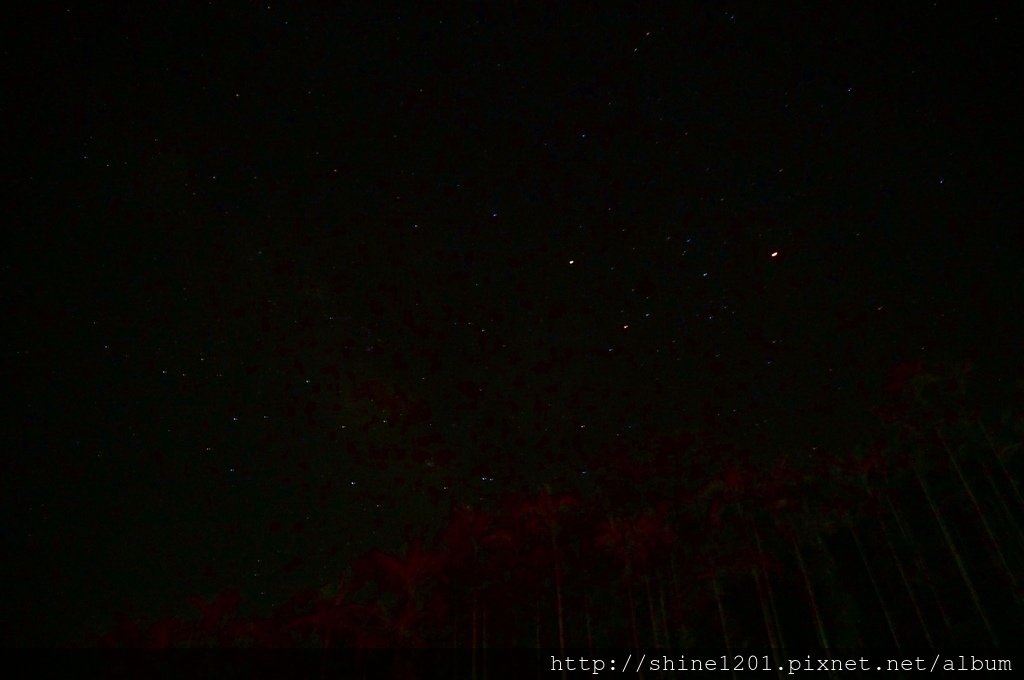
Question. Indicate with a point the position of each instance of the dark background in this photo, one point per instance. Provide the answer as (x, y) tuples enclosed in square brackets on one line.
[(281, 284)]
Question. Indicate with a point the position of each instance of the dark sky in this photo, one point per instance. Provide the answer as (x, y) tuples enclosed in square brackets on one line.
[(283, 283)]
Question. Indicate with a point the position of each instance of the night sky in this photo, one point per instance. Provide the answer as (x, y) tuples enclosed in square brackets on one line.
[(284, 284)]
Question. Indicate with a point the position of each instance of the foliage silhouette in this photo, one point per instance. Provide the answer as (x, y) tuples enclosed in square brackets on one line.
[(912, 536)]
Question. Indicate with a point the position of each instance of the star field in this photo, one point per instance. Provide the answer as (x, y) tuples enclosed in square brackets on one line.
[(287, 284)]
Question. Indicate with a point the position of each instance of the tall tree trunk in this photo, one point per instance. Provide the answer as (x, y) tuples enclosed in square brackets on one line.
[(483, 641), (676, 592), (721, 612), (874, 586), (472, 636), (922, 567), (558, 593), (955, 552), (1005, 507), (819, 624), (993, 541), (998, 454), (906, 583), (630, 601), (768, 589), (587, 621), (664, 616), (762, 600), (650, 608)]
